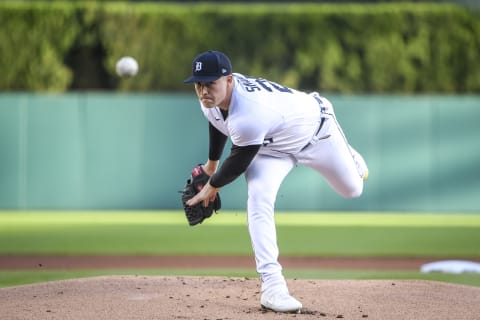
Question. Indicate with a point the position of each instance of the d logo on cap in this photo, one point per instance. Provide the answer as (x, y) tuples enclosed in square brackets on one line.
[(209, 66)]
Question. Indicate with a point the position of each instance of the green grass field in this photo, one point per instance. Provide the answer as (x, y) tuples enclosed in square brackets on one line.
[(299, 234)]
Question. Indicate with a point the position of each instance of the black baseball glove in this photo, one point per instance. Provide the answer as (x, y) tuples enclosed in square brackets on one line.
[(197, 213)]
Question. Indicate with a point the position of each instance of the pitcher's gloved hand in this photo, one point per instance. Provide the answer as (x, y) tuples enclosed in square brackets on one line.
[(197, 213)]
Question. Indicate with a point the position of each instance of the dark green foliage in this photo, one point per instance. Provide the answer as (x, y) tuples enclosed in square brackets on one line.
[(33, 42), (348, 48)]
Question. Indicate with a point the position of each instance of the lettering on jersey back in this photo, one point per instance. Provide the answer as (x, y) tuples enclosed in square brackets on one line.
[(258, 84)]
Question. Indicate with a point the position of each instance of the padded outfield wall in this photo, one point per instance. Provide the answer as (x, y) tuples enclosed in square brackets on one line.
[(134, 151)]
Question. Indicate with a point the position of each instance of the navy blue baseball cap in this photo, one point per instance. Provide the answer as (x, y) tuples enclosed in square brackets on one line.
[(209, 66)]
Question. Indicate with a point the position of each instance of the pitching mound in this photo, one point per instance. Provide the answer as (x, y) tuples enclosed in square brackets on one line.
[(153, 297)]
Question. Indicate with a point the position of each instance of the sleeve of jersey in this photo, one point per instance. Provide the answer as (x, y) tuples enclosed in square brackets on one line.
[(235, 164), (217, 143)]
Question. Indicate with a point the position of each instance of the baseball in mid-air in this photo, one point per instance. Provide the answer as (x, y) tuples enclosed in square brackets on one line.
[(127, 67)]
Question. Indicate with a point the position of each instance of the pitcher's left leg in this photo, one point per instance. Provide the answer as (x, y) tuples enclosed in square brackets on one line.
[(264, 177)]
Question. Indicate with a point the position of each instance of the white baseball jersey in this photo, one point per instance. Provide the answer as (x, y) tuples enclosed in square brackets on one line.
[(283, 120)]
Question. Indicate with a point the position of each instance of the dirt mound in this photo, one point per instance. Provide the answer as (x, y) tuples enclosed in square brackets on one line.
[(156, 297)]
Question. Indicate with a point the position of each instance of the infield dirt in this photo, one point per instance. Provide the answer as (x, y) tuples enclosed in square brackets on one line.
[(221, 298), (215, 298)]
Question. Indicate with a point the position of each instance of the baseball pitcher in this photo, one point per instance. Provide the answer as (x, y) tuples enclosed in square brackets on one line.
[(272, 128)]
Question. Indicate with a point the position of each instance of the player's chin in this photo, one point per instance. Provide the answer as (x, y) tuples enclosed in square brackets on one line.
[(208, 103)]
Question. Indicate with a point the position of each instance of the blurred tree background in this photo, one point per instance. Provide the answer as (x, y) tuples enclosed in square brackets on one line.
[(341, 46)]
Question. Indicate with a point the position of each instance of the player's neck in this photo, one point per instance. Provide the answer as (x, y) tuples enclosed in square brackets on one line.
[(225, 105)]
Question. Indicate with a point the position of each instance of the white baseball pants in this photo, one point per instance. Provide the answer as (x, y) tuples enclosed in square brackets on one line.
[(330, 155)]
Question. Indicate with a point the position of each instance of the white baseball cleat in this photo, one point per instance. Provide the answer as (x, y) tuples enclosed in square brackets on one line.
[(361, 164), (279, 299), (365, 175)]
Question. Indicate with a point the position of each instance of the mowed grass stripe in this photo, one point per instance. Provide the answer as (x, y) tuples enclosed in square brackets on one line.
[(13, 278), (216, 239), (360, 219)]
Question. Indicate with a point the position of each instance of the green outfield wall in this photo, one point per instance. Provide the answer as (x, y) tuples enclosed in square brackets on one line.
[(135, 151)]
